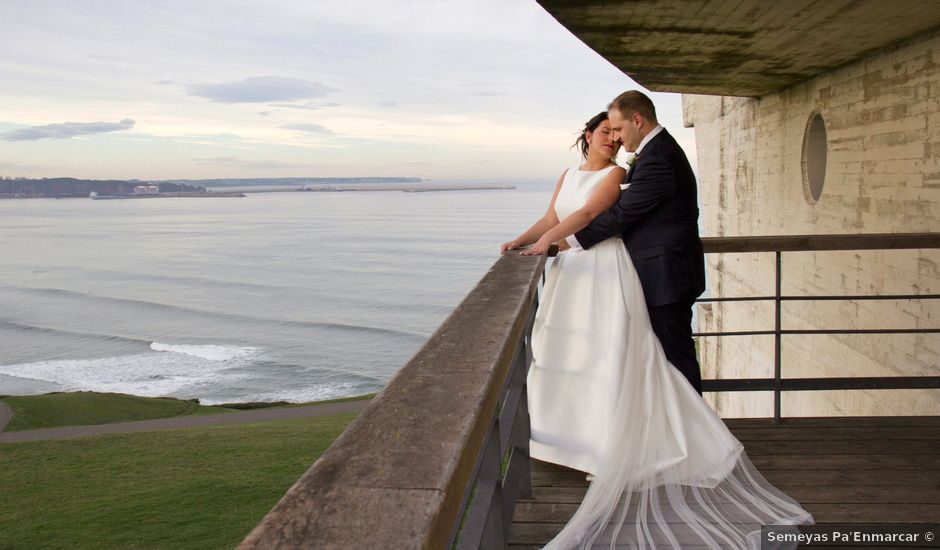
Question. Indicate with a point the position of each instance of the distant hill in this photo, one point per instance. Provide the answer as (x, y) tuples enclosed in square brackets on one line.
[(256, 182), (74, 187)]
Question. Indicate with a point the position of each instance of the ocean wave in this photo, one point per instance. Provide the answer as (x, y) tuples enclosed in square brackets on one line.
[(176, 309), (60, 332), (209, 352), (211, 283), (356, 328), (151, 374), (317, 392)]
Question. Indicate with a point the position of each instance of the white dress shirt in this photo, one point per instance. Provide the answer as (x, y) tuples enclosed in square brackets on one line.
[(573, 242)]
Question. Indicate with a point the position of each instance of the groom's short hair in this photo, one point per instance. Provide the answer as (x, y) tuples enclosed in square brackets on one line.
[(633, 101)]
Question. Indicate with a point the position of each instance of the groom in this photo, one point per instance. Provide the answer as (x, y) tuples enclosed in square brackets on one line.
[(657, 216)]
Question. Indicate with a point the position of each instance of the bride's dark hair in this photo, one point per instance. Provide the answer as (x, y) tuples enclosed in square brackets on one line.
[(589, 126)]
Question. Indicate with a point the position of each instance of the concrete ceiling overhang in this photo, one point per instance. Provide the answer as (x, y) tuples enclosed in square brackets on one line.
[(739, 47)]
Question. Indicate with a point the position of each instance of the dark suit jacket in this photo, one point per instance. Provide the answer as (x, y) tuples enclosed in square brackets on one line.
[(657, 216)]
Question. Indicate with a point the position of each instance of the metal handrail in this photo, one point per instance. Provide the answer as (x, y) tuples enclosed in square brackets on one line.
[(812, 243)]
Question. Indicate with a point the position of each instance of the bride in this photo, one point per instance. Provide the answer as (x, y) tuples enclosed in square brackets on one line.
[(665, 471)]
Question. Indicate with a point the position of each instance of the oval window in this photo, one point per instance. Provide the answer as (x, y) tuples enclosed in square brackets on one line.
[(814, 158)]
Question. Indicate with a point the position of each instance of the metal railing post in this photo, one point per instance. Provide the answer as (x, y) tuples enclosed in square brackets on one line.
[(777, 370)]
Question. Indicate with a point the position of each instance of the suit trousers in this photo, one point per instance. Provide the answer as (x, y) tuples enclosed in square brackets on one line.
[(672, 324)]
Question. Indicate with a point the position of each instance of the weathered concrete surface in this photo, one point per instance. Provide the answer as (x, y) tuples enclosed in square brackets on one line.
[(6, 414), (247, 417), (396, 477), (882, 117), (738, 47)]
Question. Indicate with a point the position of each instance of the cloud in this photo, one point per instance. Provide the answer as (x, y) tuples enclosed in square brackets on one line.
[(261, 89), (7, 165), (241, 163), (387, 104), (66, 130), (309, 129), (102, 57), (309, 106)]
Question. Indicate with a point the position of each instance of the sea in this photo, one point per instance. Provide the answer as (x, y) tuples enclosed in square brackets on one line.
[(273, 297)]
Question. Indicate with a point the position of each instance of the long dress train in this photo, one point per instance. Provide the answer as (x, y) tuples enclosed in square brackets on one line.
[(604, 399)]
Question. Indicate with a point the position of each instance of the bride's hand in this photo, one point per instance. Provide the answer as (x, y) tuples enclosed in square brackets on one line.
[(539, 248), (511, 245)]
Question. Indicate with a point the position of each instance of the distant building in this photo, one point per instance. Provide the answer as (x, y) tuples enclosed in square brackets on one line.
[(146, 190)]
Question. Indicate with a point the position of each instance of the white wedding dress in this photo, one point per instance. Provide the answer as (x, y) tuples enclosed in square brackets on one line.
[(604, 399)]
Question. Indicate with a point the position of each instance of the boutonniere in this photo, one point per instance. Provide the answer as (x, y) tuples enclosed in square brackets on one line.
[(630, 159)]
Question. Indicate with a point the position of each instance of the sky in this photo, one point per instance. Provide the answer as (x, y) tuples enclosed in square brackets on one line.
[(173, 89)]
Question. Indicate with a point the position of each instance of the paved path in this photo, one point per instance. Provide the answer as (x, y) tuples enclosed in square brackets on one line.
[(246, 417), (6, 414)]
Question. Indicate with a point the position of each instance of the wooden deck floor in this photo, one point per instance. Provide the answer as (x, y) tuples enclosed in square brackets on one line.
[(843, 470)]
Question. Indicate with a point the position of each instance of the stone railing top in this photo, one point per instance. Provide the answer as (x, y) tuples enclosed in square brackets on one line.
[(396, 477)]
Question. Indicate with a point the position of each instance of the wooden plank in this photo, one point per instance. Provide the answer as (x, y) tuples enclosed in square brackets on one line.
[(544, 512), (863, 494), (540, 532), (872, 494), (539, 466), (543, 480), (556, 494), (874, 513), (833, 477), (853, 477), (528, 534), (868, 545), (545, 474), (857, 462), (517, 476), (533, 533), (856, 512)]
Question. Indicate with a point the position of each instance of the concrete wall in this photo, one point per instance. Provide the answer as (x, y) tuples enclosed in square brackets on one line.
[(882, 116)]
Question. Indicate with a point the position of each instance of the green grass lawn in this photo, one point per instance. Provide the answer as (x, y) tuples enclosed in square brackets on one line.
[(196, 488), (83, 408)]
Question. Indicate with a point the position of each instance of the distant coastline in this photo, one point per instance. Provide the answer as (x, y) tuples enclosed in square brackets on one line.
[(295, 182), (401, 187), (59, 188)]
